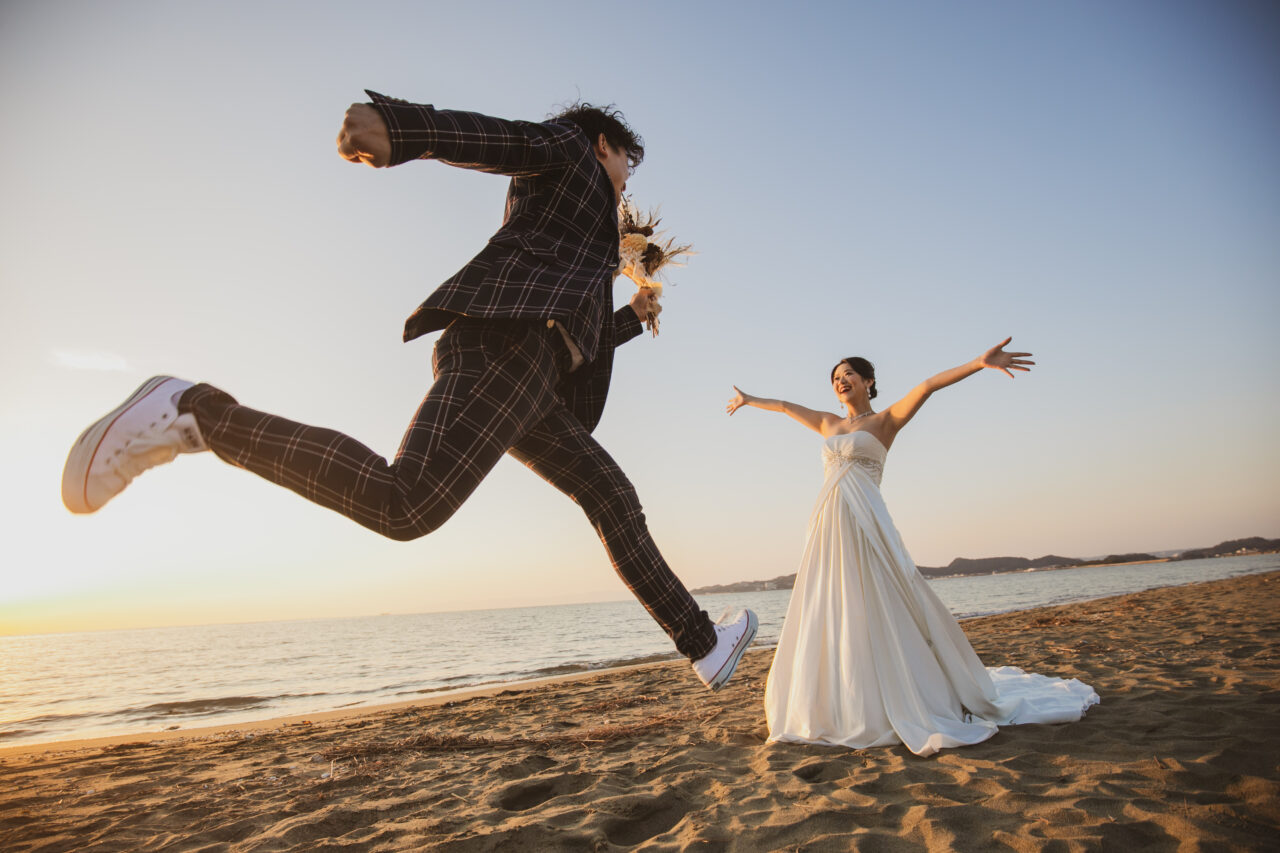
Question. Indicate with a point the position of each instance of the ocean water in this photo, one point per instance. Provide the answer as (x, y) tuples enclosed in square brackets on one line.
[(93, 684)]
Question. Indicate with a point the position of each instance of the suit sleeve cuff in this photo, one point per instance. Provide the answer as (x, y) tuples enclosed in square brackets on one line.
[(626, 325), (410, 127)]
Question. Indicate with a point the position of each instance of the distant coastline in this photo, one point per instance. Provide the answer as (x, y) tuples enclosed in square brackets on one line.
[(963, 566)]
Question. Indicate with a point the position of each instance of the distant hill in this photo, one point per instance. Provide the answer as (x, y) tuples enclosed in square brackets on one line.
[(996, 565), (1252, 545), (990, 565), (780, 582)]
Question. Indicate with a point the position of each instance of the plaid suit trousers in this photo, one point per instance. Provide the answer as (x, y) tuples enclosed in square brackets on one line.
[(494, 393)]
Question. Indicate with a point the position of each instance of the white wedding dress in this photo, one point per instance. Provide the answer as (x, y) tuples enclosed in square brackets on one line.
[(868, 654)]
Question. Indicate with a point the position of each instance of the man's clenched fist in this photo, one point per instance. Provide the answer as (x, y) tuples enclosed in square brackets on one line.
[(364, 137)]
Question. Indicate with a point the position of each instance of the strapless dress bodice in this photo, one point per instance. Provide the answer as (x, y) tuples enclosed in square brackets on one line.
[(860, 448)]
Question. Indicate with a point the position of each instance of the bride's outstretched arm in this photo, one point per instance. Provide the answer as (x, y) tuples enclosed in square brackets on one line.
[(817, 421), (897, 415)]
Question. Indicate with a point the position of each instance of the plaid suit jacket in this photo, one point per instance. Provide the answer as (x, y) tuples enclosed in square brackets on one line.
[(556, 252)]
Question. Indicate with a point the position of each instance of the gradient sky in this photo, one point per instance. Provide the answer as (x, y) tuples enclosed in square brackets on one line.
[(907, 181)]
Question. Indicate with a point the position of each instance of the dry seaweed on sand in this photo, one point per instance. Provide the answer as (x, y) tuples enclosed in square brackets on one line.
[(432, 742), (618, 704)]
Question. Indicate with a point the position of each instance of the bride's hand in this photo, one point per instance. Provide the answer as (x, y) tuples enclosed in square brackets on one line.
[(737, 401), (998, 359)]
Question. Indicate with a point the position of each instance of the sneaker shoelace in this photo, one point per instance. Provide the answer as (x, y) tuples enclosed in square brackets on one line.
[(137, 455)]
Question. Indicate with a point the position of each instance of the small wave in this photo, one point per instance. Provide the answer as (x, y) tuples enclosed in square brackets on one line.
[(445, 688), (464, 682), (593, 666), (199, 707), (206, 707), (13, 734), (44, 720), (560, 669)]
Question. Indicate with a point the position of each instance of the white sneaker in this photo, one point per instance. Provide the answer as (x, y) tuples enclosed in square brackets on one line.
[(732, 639), (142, 432)]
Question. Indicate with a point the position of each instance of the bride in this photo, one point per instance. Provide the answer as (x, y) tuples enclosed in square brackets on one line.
[(869, 655)]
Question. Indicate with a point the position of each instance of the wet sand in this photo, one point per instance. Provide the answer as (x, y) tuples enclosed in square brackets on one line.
[(1182, 754)]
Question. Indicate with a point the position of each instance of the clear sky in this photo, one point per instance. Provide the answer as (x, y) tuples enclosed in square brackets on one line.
[(906, 181)]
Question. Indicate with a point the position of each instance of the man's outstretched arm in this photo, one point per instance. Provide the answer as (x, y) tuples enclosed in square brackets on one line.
[(389, 132)]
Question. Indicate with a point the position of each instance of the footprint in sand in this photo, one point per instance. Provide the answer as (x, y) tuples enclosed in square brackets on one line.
[(821, 771), (638, 818), (531, 793)]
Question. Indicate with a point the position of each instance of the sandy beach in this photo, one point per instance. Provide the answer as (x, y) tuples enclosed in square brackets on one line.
[(1182, 754)]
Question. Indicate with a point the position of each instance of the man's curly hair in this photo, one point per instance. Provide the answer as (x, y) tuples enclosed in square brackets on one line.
[(607, 120)]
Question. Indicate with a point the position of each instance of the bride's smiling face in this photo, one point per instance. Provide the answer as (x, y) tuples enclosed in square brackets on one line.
[(848, 385)]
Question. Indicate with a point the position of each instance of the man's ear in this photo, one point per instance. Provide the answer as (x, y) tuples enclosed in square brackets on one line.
[(602, 146)]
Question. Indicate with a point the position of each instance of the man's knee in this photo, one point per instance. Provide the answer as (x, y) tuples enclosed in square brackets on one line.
[(405, 527), (404, 532)]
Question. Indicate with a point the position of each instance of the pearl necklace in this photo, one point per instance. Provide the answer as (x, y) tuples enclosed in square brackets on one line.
[(853, 418)]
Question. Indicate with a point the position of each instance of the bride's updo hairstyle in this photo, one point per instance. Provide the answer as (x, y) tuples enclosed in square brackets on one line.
[(863, 368)]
